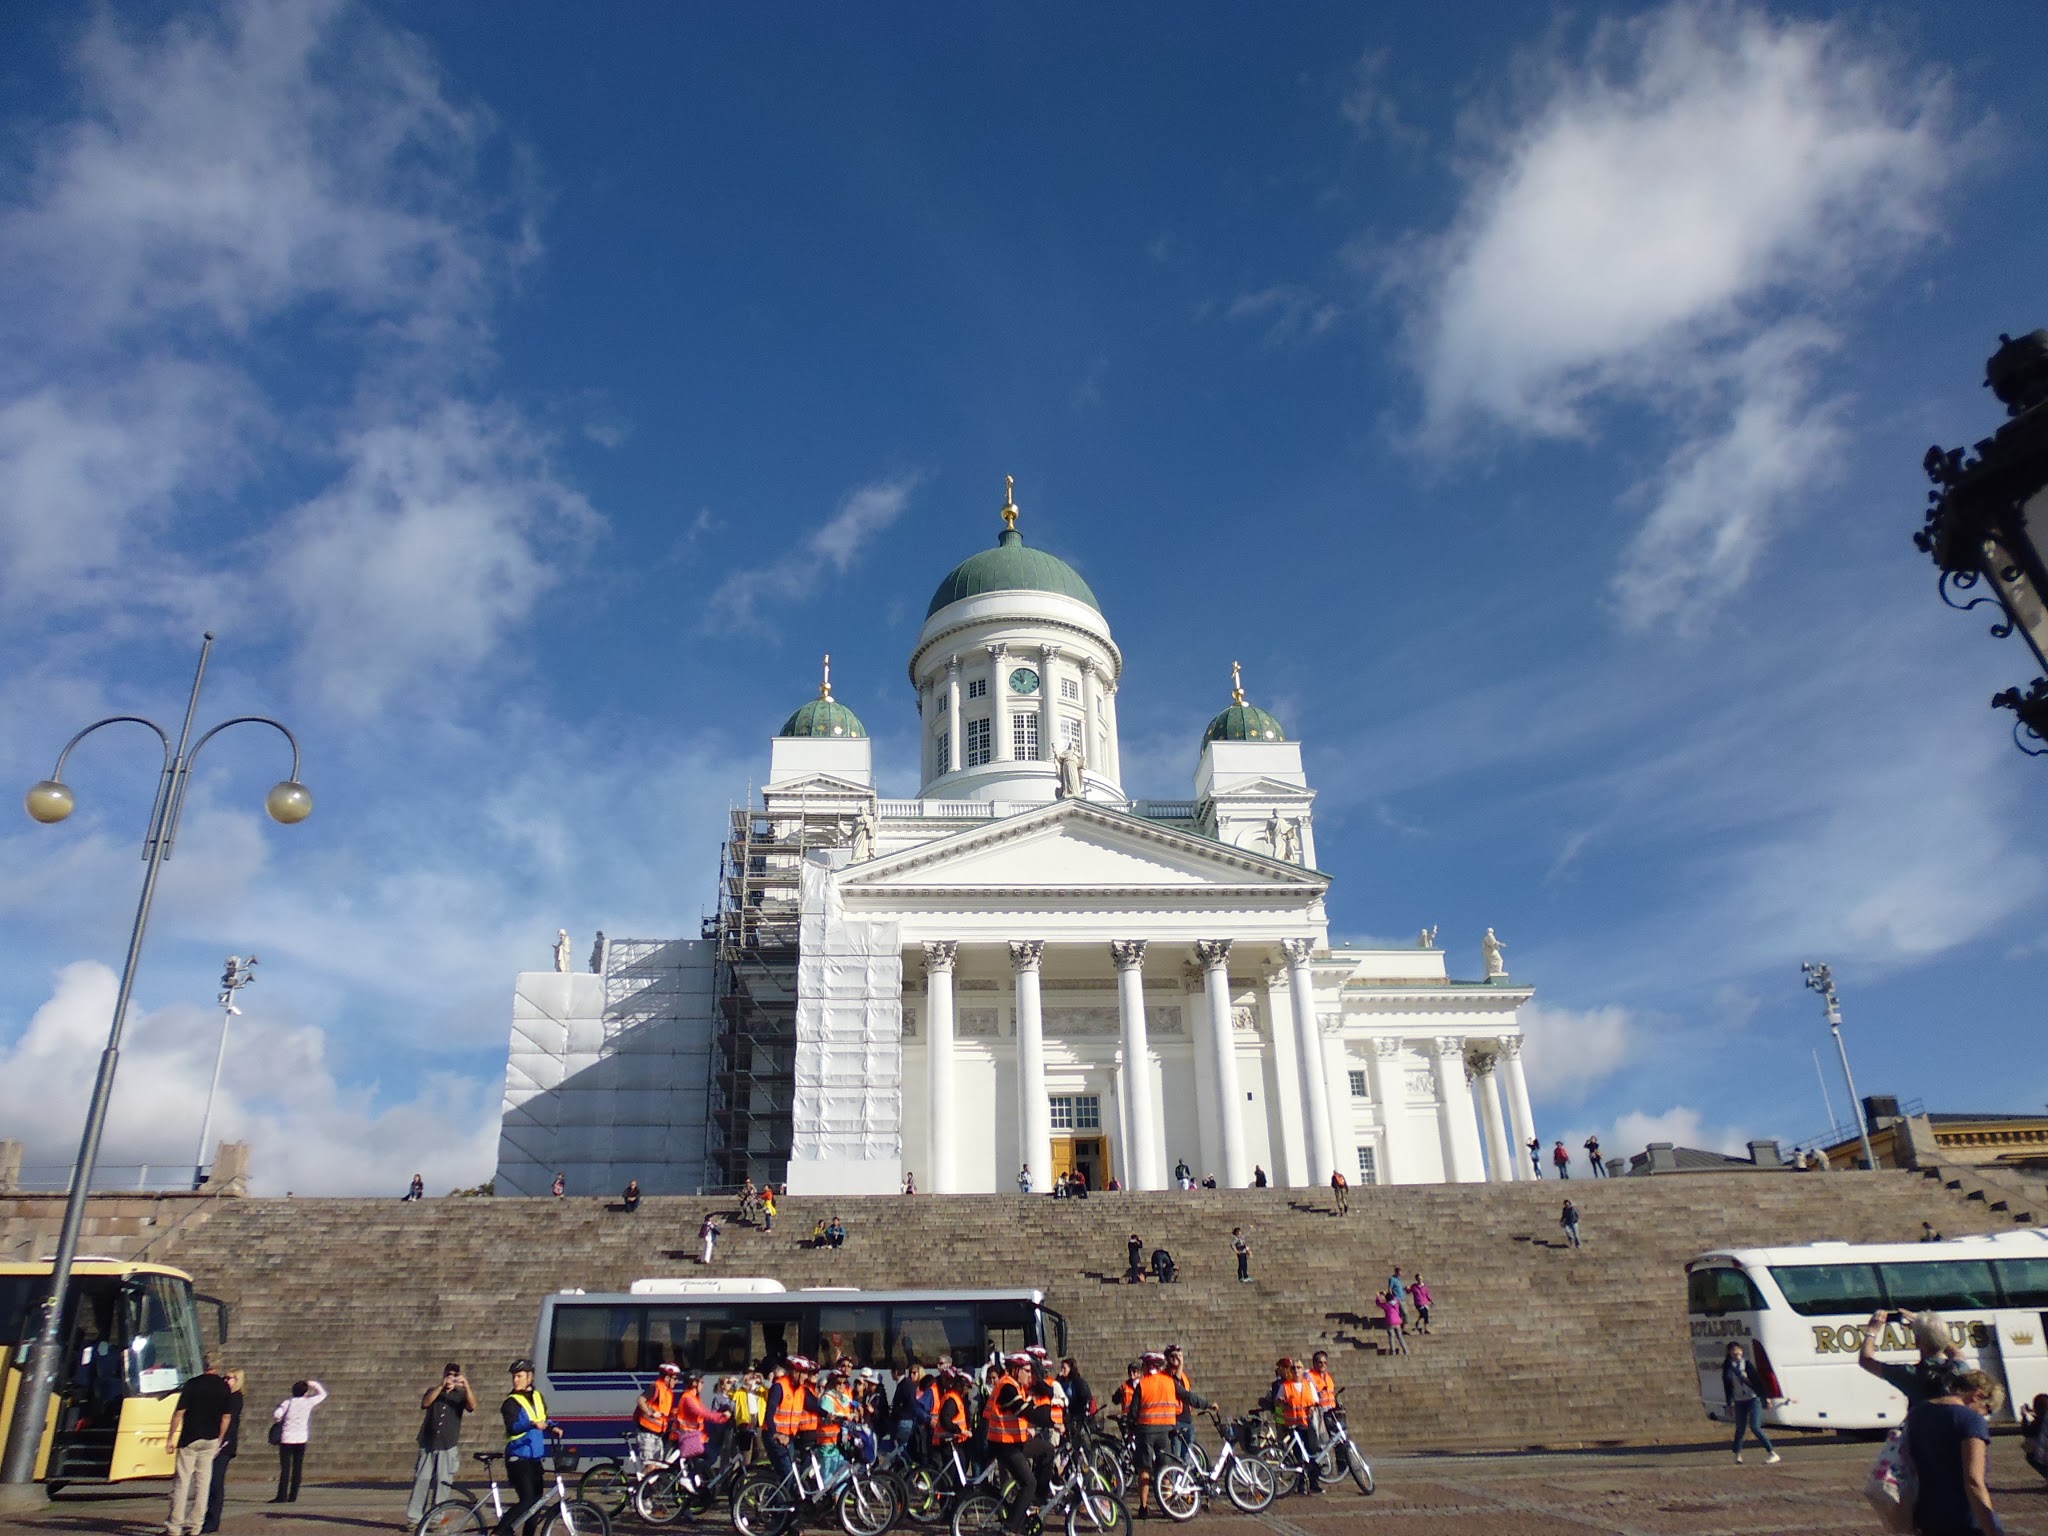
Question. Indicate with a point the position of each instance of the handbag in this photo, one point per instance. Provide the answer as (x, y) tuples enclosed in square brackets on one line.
[(276, 1435), (1893, 1485)]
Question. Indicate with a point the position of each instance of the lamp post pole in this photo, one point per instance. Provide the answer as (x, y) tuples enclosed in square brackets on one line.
[(239, 974), (1821, 979), (51, 801)]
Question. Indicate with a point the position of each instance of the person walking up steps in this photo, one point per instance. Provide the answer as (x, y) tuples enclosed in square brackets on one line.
[(1340, 1192), (1569, 1220), (707, 1234), (1136, 1249), (1242, 1247), (1397, 1323), (1418, 1292)]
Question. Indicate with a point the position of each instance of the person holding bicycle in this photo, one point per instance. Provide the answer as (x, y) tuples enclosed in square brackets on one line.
[(1158, 1409), (793, 1416), (1017, 1440), (1325, 1385), (527, 1433), (654, 1411), (1298, 1402)]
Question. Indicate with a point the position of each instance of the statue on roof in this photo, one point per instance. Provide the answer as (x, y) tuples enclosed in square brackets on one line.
[(1071, 765), (865, 828), (562, 951), (1491, 947), (1290, 842)]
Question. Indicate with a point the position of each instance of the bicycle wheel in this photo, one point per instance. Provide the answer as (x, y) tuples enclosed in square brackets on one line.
[(923, 1503), (451, 1517), (1250, 1484), (1180, 1496), (1098, 1514), (979, 1514), (1353, 1461), (658, 1497), (606, 1485), (1106, 1464), (763, 1507), (576, 1518), (868, 1505)]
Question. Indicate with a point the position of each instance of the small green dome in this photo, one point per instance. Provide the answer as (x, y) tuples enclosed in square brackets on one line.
[(1012, 566), (1244, 722), (823, 717)]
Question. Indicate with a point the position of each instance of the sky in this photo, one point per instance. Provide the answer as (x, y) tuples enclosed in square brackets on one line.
[(1531, 398)]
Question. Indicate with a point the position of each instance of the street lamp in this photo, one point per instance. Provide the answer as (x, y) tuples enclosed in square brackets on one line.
[(1987, 520), (52, 801), (237, 975), (1819, 978)]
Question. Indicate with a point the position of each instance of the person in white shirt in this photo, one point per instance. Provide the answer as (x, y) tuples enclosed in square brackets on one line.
[(294, 1419)]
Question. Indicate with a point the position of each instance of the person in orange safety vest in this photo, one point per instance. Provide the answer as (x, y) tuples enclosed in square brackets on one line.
[(652, 1412)]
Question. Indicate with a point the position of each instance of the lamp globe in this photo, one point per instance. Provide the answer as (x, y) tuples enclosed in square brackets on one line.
[(49, 800), (289, 802)]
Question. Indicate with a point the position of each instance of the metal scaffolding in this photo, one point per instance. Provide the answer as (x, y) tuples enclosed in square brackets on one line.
[(753, 1058)]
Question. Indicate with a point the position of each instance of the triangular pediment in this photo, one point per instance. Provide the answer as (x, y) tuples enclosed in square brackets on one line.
[(823, 784), (1263, 789), (1075, 846)]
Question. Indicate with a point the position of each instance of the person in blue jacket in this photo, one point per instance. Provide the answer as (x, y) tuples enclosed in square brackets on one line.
[(527, 1432)]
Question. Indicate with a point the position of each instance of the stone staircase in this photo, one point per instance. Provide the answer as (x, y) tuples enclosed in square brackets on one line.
[(1536, 1344)]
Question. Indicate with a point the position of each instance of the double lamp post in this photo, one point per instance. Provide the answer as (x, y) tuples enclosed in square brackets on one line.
[(51, 801)]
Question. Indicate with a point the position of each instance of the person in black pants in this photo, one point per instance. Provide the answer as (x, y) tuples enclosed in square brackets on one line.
[(294, 1420), (217, 1489), (1137, 1274), (527, 1432)]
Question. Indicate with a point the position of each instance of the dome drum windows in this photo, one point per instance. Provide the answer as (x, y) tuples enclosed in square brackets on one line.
[(1024, 738), (977, 688), (980, 749)]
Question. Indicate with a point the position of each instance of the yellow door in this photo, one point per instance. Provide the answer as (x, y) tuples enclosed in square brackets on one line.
[(1062, 1155)]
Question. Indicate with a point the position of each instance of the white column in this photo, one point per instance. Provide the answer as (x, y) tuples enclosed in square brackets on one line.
[(1519, 1112), (942, 1157), (1389, 1100), (1205, 1155), (1214, 954), (954, 747), (1034, 1111), (1112, 749), (1091, 729), (1500, 1159), (1308, 1046), (1146, 1166), (1286, 1115), (1120, 1154), (1048, 722), (999, 710), (1457, 1126)]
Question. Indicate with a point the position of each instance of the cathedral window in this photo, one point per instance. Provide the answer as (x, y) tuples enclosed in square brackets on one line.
[(1024, 738), (977, 688), (978, 748), (1070, 731), (1076, 1111), (1358, 1088), (945, 756), (1368, 1166), (1069, 689)]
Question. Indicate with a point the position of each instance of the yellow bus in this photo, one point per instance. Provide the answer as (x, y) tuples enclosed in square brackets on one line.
[(132, 1337)]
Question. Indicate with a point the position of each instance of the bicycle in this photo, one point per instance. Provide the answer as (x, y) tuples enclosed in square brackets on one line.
[(1077, 1499), (564, 1516), (1248, 1482), (666, 1492), (609, 1483), (932, 1490), (1344, 1458), (864, 1502)]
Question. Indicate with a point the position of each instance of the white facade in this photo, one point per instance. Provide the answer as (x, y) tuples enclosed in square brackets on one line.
[(995, 974)]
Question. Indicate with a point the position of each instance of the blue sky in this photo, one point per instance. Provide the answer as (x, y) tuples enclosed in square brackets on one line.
[(1532, 399)]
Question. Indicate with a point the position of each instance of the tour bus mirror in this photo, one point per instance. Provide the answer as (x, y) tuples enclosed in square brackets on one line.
[(220, 1316)]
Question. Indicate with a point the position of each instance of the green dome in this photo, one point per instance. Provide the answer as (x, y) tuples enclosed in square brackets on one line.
[(1244, 722), (823, 717), (1012, 566)]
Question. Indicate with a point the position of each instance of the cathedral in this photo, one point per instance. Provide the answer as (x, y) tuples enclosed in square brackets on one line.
[(1020, 971)]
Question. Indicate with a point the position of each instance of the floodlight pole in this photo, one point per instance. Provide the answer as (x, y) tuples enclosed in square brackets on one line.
[(1821, 979), (239, 974)]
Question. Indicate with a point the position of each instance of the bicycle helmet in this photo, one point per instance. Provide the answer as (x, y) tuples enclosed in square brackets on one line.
[(1020, 1358), (1151, 1357), (521, 1364), (801, 1363), (670, 1368)]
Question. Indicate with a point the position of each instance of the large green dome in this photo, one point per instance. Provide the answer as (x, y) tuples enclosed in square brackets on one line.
[(1012, 566), (823, 717), (1244, 722)]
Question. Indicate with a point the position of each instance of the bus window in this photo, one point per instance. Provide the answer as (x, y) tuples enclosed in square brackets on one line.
[(594, 1339), (1940, 1285), (924, 1330), (1712, 1292), (857, 1331), (2024, 1281), (1826, 1290), (163, 1334), (1009, 1325)]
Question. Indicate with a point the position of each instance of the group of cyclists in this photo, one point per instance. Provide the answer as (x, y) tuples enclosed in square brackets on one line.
[(1023, 1420)]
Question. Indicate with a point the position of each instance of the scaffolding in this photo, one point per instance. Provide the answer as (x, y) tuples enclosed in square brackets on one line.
[(752, 1083)]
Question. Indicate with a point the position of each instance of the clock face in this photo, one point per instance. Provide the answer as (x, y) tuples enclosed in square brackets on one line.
[(1023, 680)]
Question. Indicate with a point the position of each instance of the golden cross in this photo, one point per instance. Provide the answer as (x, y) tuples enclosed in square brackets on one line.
[(825, 688), (1010, 501), (1236, 683)]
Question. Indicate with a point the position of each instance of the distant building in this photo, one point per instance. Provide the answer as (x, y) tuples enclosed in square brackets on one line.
[(1907, 1138), (1663, 1157)]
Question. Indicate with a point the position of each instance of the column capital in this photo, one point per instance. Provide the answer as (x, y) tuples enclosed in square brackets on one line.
[(1275, 975), (1025, 954), (1129, 954), (1511, 1047), (952, 664), (1387, 1049), (1087, 664), (1298, 950), (1449, 1045), (997, 648), (1049, 651), (1213, 953), (1481, 1059), (939, 954)]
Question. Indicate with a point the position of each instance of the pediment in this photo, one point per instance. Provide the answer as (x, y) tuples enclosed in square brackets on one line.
[(818, 784), (1263, 789), (1076, 846)]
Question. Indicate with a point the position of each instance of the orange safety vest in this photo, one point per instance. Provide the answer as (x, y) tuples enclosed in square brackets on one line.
[(948, 1428), (1298, 1402), (1046, 1396), (664, 1397), (1158, 1401), (1326, 1388), (793, 1415), (827, 1427), (1006, 1424)]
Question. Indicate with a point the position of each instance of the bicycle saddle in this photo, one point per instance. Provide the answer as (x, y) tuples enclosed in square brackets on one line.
[(487, 1457)]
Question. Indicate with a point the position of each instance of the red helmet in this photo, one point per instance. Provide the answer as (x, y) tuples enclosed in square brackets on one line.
[(1020, 1358), (1151, 1357), (802, 1363), (670, 1368)]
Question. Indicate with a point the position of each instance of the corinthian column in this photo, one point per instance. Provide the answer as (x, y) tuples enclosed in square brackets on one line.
[(1147, 1144), (1034, 1110), (1519, 1110), (1500, 1162), (1214, 954), (1457, 1126), (1308, 1049), (942, 1158)]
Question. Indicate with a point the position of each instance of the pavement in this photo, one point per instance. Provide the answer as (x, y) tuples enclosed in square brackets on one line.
[(1649, 1492)]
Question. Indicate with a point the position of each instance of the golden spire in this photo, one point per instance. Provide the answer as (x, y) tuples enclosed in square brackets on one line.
[(1010, 502), (1236, 683), (825, 688)]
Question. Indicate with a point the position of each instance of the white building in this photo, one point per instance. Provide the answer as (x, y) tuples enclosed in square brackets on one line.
[(1019, 965)]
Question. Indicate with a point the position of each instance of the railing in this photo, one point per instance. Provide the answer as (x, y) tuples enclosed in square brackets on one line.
[(1165, 810), (110, 1178), (1846, 1130)]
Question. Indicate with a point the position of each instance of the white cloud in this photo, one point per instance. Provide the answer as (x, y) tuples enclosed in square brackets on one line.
[(1626, 245), (1679, 1125), (1291, 312), (307, 1133), (1567, 1052), (827, 550)]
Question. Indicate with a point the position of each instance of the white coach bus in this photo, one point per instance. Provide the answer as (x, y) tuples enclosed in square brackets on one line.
[(596, 1352), (1801, 1314)]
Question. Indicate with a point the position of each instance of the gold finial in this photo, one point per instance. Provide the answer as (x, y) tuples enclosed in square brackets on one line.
[(1010, 502), (825, 688), (1236, 683)]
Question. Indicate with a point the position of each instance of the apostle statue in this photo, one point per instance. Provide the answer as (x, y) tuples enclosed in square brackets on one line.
[(562, 950), (865, 826), (1070, 764), (597, 954), (1491, 948), (1290, 842)]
